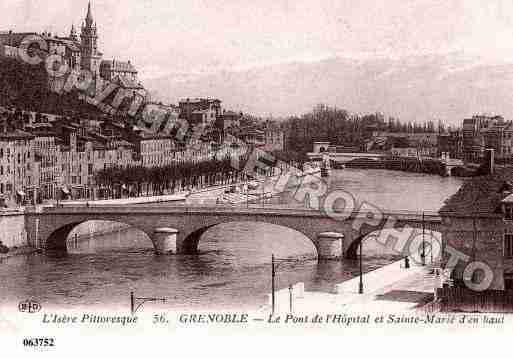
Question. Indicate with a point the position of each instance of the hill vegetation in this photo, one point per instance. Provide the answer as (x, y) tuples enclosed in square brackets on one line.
[(25, 87)]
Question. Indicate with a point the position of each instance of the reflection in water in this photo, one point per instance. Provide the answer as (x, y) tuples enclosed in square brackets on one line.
[(233, 268)]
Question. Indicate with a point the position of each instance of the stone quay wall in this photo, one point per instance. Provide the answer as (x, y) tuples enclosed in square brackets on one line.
[(12, 228)]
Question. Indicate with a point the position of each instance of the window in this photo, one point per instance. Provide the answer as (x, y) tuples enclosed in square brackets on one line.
[(508, 245), (508, 212), (508, 281)]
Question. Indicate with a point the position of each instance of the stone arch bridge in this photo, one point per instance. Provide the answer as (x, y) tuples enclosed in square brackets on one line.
[(178, 229)]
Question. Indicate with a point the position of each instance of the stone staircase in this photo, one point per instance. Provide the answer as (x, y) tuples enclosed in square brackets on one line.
[(236, 198)]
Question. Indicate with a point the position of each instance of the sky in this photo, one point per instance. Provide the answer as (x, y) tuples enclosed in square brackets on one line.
[(203, 36)]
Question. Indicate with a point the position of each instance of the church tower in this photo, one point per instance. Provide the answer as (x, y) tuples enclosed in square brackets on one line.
[(90, 56), (73, 33)]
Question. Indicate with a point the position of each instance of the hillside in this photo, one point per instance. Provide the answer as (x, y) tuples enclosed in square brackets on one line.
[(26, 87)]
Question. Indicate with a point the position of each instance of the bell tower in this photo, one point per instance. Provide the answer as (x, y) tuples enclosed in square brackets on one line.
[(73, 33), (90, 56)]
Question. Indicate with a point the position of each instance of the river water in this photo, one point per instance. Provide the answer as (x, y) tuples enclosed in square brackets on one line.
[(232, 270)]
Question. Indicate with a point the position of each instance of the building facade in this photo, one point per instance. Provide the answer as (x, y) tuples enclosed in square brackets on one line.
[(47, 158), (200, 111), (17, 178), (474, 130)]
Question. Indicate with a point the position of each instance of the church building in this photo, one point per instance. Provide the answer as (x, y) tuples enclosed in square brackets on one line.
[(80, 53)]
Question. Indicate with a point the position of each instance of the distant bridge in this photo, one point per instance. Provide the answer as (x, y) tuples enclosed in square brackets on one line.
[(178, 229), (342, 157)]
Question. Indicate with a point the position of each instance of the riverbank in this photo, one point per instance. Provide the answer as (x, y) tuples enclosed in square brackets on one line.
[(387, 289), (405, 164), (19, 251)]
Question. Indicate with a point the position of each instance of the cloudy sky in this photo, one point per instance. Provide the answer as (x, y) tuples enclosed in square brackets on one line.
[(174, 36)]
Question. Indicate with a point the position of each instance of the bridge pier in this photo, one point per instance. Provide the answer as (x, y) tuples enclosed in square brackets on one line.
[(164, 240), (330, 246)]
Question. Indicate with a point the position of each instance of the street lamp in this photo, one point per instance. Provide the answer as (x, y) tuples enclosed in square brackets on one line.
[(273, 275), (275, 265), (263, 193), (360, 287), (423, 254)]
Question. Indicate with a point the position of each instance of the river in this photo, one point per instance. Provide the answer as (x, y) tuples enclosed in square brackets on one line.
[(232, 270)]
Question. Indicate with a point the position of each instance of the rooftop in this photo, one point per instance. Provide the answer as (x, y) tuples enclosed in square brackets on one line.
[(127, 83), (118, 66), (481, 195), (16, 135), (198, 100)]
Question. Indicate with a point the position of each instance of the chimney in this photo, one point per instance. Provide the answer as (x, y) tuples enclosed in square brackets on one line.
[(489, 160)]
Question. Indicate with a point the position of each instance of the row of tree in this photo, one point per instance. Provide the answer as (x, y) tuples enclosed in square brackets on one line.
[(134, 181), (338, 126)]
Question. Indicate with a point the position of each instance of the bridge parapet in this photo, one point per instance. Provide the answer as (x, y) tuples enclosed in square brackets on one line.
[(429, 217)]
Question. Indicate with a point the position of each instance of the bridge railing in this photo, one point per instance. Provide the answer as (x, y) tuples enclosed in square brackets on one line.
[(270, 209)]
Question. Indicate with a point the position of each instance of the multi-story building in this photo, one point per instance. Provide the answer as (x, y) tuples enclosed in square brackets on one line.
[(474, 135), (110, 69), (9, 51), (478, 222), (84, 157), (157, 150), (424, 139), (47, 158), (253, 137), (451, 143), (499, 137), (228, 119), (274, 137), (17, 179), (414, 152), (122, 74), (200, 111)]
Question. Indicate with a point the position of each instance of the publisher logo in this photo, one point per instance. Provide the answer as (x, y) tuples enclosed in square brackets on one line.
[(29, 306)]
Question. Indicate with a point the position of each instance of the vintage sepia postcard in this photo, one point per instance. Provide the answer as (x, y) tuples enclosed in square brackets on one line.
[(188, 168)]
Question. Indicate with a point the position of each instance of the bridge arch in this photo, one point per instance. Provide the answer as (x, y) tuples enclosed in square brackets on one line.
[(57, 240), (191, 240), (401, 247)]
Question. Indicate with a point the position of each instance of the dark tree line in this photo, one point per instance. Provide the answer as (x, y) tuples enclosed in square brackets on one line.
[(134, 181), (338, 126), (26, 87)]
